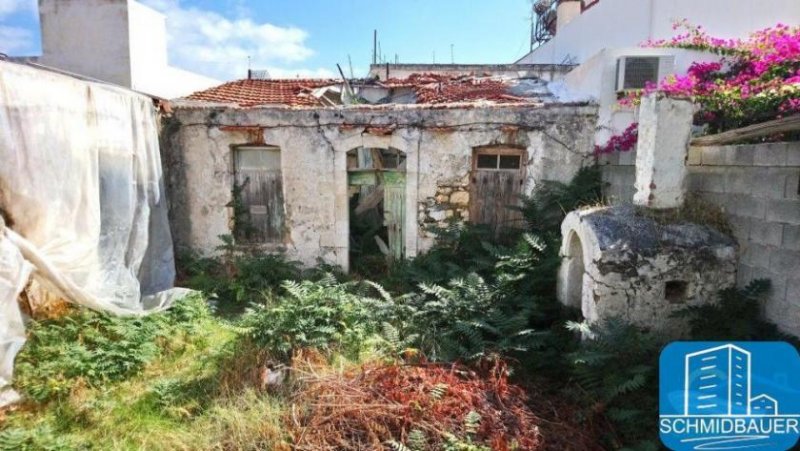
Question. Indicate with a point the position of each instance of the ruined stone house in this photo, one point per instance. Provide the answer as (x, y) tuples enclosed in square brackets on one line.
[(297, 166)]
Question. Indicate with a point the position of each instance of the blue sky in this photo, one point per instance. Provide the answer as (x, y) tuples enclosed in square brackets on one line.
[(308, 37)]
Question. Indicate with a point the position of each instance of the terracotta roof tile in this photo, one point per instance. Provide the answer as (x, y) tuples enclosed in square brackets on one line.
[(249, 93), (429, 89)]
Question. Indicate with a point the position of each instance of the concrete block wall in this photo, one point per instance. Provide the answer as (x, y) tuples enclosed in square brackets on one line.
[(758, 187)]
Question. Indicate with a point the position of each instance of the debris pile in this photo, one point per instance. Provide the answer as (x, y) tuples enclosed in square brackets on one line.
[(421, 406)]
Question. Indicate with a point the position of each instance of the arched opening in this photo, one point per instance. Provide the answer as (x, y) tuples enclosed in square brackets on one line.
[(575, 272), (376, 189)]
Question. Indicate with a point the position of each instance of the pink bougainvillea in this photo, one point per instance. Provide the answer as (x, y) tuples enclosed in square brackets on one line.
[(620, 143), (755, 80)]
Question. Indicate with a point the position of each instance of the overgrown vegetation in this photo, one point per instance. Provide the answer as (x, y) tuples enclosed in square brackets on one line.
[(425, 358), (89, 348)]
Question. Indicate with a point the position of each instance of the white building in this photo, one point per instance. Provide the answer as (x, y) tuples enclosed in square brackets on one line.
[(602, 35), (117, 41)]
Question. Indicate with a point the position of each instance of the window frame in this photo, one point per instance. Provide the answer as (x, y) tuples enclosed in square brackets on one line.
[(499, 151)]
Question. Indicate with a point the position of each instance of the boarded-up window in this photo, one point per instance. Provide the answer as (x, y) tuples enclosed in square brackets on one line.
[(498, 175), (259, 186)]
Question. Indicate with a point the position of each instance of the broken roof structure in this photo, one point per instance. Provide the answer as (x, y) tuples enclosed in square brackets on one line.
[(421, 89), (336, 170)]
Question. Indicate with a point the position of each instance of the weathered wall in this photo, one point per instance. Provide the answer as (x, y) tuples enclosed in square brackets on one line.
[(122, 42), (758, 186), (622, 263), (438, 143), (548, 72)]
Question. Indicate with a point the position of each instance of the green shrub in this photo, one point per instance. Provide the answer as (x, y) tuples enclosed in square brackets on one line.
[(237, 277), (93, 348), (36, 439), (736, 315), (322, 314), (616, 369)]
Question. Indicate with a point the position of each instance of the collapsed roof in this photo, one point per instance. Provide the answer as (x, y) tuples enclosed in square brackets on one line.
[(421, 89)]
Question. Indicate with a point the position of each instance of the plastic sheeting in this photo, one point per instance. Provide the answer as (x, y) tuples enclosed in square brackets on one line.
[(82, 192)]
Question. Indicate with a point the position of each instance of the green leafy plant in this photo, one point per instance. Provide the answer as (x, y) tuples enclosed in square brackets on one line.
[(86, 347), (238, 276), (322, 315), (616, 371), (37, 439), (736, 315)]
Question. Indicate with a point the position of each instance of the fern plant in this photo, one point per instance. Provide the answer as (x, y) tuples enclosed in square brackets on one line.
[(238, 277), (736, 315), (322, 314), (96, 347), (616, 368), (467, 319), (36, 439)]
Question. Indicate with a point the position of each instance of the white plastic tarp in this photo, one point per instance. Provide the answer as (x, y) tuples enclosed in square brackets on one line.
[(82, 192)]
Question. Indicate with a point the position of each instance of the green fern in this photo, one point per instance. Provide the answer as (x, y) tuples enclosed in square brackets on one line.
[(736, 315)]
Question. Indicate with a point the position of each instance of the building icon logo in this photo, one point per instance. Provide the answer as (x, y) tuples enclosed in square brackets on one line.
[(729, 396)]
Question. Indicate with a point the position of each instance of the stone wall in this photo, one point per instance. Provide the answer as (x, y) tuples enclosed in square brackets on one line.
[(438, 144), (758, 187), (451, 203)]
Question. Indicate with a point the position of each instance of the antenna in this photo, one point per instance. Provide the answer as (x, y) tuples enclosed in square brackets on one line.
[(350, 63), (380, 53), (452, 57), (375, 47)]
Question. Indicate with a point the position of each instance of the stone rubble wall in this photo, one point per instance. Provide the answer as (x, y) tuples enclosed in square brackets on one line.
[(450, 204), (198, 142), (758, 187)]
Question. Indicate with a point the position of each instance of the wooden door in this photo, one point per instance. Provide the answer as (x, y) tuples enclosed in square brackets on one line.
[(258, 174), (394, 207), (497, 181)]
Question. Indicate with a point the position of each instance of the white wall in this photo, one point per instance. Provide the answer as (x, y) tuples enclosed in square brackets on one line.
[(148, 45), (595, 80), (627, 23), (87, 37), (118, 41)]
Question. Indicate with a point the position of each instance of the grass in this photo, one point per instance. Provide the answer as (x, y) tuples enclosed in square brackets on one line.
[(179, 401)]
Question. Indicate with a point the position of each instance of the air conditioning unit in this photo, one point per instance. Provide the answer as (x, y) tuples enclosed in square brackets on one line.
[(634, 72)]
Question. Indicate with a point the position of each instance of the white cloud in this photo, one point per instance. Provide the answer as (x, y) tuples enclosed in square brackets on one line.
[(14, 39), (211, 44), (8, 7)]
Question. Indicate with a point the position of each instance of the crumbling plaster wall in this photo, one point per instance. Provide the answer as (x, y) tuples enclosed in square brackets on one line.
[(438, 143)]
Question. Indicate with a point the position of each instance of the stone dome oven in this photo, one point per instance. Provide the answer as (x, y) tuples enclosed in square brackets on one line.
[(620, 262)]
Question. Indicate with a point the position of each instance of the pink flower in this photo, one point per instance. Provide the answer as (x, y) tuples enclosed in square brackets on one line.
[(620, 143)]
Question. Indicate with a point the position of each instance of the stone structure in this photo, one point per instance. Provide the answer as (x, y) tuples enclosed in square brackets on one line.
[(757, 186), (665, 126), (437, 144), (622, 263)]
